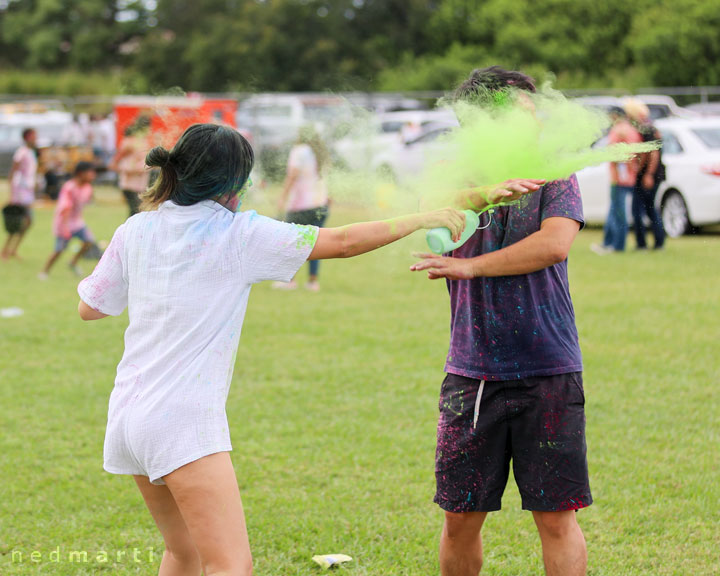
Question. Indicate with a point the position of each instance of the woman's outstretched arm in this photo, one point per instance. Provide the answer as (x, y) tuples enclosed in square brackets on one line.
[(362, 237)]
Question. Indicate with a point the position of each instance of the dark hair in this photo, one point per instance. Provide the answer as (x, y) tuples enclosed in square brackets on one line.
[(487, 85), (81, 167), (207, 161), (26, 132)]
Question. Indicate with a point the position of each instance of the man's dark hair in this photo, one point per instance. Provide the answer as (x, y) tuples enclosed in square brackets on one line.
[(27, 132), (485, 85)]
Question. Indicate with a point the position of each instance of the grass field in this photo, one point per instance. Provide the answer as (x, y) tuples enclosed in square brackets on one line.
[(333, 413)]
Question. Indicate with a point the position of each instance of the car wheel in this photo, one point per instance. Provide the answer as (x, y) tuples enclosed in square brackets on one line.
[(675, 215)]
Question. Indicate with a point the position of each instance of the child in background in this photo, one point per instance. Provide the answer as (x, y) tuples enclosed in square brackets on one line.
[(184, 270), (68, 222)]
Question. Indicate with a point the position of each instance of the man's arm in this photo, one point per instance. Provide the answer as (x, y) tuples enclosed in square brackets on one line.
[(548, 246)]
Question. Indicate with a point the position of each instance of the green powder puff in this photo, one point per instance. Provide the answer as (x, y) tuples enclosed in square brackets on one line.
[(504, 134), (543, 135)]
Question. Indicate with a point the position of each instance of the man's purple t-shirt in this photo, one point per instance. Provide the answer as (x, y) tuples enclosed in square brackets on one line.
[(512, 327)]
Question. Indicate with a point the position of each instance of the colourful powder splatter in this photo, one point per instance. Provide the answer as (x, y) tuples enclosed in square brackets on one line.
[(512, 134), (307, 235)]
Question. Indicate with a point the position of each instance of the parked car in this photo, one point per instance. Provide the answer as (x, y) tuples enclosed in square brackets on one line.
[(662, 106), (379, 138), (690, 196), (705, 108), (50, 128), (403, 160), (273, 120)]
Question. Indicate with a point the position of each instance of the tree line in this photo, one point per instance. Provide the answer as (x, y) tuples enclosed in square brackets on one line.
[(301, 45)]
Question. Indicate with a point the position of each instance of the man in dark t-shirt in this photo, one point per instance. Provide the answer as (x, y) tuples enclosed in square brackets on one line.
[(513, 389)]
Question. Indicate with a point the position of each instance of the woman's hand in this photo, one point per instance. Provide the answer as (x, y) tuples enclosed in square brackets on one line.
[(449, 218), (444, 267)]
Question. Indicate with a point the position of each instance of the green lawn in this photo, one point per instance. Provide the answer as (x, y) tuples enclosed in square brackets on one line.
[(333, 414)]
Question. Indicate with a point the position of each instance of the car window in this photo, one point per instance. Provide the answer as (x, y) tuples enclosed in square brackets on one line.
[(271, 111), (671, 145), (709, 136), (392, 126), (658, 111)]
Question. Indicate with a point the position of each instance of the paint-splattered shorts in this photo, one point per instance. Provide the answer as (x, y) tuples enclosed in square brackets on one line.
[(537, 423)]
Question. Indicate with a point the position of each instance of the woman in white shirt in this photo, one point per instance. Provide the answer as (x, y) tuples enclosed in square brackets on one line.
[(304, 198), (184, 270)]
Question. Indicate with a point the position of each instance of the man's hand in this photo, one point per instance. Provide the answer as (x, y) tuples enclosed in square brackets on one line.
[(500, 194), (648, 182), (444, 267)]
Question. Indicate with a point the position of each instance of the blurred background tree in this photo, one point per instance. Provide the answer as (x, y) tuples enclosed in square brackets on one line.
[(297, 45)]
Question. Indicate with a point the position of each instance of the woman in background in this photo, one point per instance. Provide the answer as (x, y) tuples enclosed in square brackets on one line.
[(304, 198)]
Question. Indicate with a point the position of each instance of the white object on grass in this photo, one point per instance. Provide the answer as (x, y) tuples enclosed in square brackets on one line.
[(330, 560), (11, 312)]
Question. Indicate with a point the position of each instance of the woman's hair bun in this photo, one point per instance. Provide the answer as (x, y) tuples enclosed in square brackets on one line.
[(158, 156)]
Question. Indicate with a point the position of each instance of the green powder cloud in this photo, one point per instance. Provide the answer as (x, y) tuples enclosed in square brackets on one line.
[(514, 135)]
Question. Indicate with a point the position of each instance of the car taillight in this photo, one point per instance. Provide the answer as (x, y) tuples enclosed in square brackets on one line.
[(713, 170)]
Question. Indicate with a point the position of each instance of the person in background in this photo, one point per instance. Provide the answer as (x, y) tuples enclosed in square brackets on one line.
[(68, 222), (651, 173), (103, 138), (304, 197), (22, 177), (75, 133), (623, 176), (129, 163)]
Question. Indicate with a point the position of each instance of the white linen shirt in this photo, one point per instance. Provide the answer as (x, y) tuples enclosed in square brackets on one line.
[(185, 273)]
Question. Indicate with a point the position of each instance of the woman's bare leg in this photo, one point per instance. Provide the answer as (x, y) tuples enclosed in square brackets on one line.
[(180, 557), (207, 494)]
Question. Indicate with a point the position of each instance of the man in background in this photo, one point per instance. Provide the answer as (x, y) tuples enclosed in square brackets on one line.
[(623, 176), (651, 173)]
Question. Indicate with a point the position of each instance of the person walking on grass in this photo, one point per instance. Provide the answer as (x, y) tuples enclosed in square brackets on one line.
[(129, 163), (23, 176), (184, 270), (513, 391), (68, 222), (623, 176), (304, 197), (650, 175)]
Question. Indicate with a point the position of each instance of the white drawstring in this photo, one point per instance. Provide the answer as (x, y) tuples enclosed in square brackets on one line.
[(477, 402)]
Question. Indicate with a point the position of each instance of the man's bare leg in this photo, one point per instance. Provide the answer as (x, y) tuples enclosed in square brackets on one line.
[(563, 543), (461, 544)]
